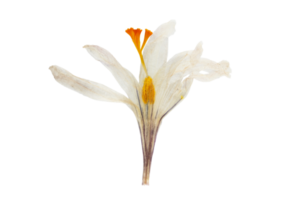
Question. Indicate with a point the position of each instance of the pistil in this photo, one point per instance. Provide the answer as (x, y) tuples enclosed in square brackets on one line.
[(148, 92), (135, 36)]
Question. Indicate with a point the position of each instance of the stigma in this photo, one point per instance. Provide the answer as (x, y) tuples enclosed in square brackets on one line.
[(135, 36)]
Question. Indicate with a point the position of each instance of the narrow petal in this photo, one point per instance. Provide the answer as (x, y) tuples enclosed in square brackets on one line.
[(124, 77), (156, 50), (88, 88)]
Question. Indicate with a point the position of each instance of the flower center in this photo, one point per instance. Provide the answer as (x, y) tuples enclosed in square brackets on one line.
[(148, 93)]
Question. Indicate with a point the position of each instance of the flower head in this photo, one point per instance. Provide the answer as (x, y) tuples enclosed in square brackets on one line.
[(162, 84)]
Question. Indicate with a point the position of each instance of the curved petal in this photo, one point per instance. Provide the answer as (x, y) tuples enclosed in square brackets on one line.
[(88, 88), (170, 83), (179, 63), (186, 59), (193, 64), (156, 50), (214, 70), (124, 77)]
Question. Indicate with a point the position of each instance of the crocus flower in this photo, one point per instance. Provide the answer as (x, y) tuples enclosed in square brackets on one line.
[(162, 84)]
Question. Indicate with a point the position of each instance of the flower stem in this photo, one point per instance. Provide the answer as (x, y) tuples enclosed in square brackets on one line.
[(146, 171), (148, 142)]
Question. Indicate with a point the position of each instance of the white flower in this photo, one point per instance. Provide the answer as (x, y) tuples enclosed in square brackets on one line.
[(162, 84)]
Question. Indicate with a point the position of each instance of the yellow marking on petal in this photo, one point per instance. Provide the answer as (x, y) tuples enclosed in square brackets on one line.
[(148, 93), (135, 36), (181, 97)]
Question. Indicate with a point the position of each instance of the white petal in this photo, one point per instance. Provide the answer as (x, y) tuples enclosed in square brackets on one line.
[(189, 64), (162, 79), (169, 84), (163, 31), (124, 77), (174, 95), (156, 50), (179, 63), (197, 64), (214, 70), (88, 88), (196, 54), (169, 80)]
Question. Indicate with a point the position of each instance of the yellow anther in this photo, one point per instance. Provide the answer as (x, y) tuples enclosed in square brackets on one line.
[(181, 97), (135, 36), (148, 93)]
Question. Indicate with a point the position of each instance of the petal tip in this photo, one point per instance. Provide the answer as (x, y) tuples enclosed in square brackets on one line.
[(52, 66), (87, 45), (165, 30)]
